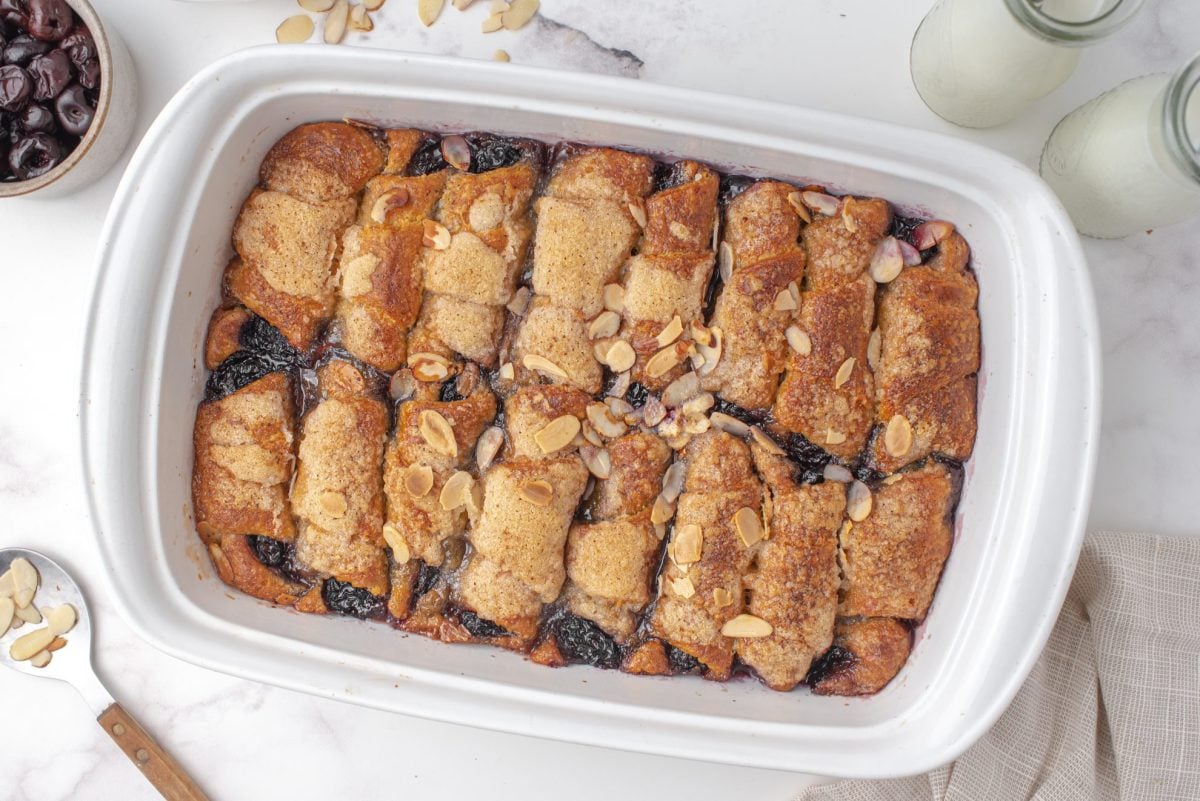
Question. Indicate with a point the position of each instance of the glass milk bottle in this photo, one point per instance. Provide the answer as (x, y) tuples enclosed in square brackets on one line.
[(979, 63), (1130, 159)]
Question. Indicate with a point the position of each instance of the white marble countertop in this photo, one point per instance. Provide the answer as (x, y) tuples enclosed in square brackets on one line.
[(244, 740)]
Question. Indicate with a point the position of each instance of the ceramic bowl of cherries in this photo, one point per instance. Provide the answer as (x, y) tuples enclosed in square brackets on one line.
[(56, 63)]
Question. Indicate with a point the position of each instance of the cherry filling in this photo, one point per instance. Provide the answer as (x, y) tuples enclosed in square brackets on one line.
[(583, 642), (346, 599)]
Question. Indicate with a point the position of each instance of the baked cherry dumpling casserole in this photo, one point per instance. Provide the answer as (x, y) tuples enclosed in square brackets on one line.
[(587, 405)]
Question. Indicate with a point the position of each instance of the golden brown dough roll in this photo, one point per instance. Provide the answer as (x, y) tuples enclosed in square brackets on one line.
[(517, 559), (401, 200), (322, 161), (698, 598), (244, 454), (828, 392), (493, 206), (448, 326), (840, 246), (402, 144), (338, 492), (867, 654), (680, 219), (610, 561), (285, 272), (238, 566), (380, 293), (224, 334), (929, 355), (891, 561), (760, 299), (559, 334), (419, 463), (794, 582), (529, 411), (602, 173)]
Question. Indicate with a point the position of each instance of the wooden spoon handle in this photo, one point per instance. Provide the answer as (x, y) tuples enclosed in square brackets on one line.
[(157, 765)]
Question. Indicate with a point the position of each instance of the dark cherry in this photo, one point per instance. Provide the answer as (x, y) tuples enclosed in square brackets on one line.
[(89, 75), (33, 155), (480, 627), (427, 578), (264, 340), (51, 73), (74, 110), (15, 87), (732, 186), (345, 598), (15, 12), (810, 459), (680, 661), (669, 176), (49, 20), (79, 45), (428, 158), (834, 661), (270, 552), (636, 395), (491, 152), (36, 118), (22, 48), (239, 370), (582, 641)]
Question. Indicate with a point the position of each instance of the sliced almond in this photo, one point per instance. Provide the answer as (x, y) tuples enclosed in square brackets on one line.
[(898, 437), (653, 410), (56, 644), (671, 332), (455, 490), (837, 473), (488, 446), (295, 30), (437, 432), (29, 614), (429, 10), (722, 597), (638, 214), (538, 492), (912, 256), (797, 203), (798, 340), (711, 353), (620, 356), (492, 23), (765, 442), (335, 22), (662, 511), (40, 659), (316, 6), (590, 436), (602, 419), (725, 261), (498, 7), (887, 261), (543, 365), (372, 5), (360, 20), (429, 367), (605, 325), (784, 301), (672, 484), (614, 297), (858, 502), (25, 581), (696, 424), (681, 390), (701, 335), (748, 525), (729, 424), (435, 235), (334, 503), (620, 385), (462, 5), (7, 610), (394, 199), (507, 372), (932, 233), (456, 152), (683, 587), (820, 202), (7, 584), (794, 291), (29, 644), (874, 344), (689, 543), (557, 434), (501, 56), (843, 373), (699, 404), (848, 215), (400, 552), (747, 626), (519, 13), (834, 437), (597, 461)]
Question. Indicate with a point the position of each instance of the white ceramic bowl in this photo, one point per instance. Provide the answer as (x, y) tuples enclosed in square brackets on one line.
[(1024, 501), (105, 140)]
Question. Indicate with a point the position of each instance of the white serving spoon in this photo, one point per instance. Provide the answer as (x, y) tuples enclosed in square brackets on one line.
[(73, 664)]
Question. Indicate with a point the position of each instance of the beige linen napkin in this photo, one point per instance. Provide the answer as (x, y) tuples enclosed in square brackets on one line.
[(1112, 708)]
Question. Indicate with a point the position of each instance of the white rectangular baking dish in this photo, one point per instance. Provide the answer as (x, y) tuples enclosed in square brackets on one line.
[(1023, 507)]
